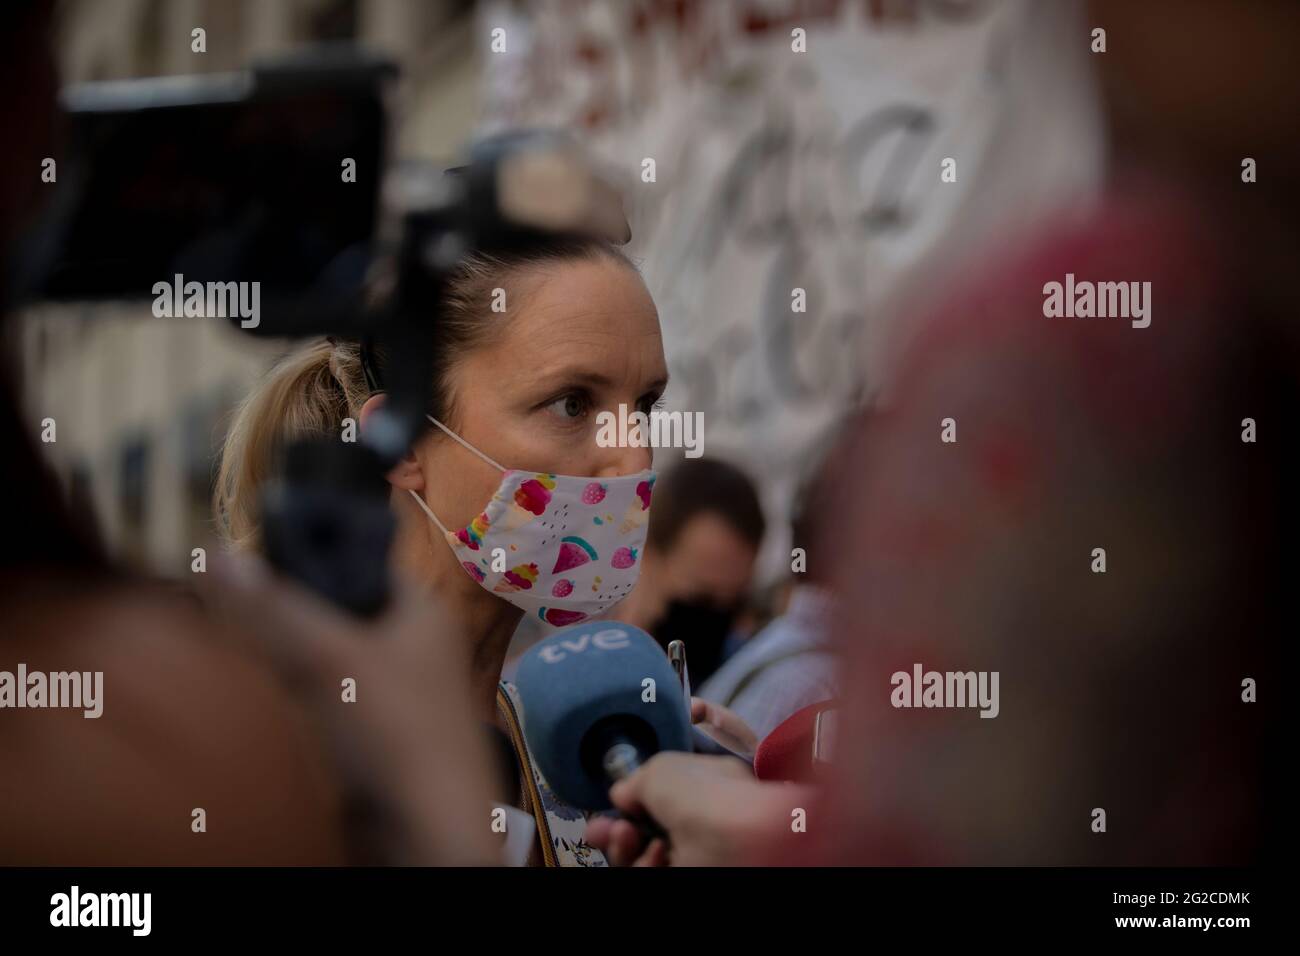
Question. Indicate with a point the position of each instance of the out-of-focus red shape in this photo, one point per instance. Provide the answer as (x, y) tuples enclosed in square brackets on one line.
[(787, 752), (1117, 690)]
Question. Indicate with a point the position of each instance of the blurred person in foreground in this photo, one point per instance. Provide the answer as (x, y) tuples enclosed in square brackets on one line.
[(190, 714), (1128, 727), (705, 535)]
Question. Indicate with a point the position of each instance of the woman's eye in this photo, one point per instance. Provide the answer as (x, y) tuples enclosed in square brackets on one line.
[(649, 404), (568, 407)]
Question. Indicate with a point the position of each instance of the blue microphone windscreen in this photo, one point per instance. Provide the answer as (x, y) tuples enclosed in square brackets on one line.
[(597, 675)]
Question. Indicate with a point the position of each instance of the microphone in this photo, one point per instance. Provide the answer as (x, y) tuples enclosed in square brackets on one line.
[(792, 751), (599, 700)]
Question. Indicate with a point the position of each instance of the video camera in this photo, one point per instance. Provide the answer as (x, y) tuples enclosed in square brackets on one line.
[(276, 181)]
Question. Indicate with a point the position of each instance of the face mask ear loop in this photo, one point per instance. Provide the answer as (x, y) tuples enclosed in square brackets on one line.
[(420, 501), (452, 434), (425, 508)]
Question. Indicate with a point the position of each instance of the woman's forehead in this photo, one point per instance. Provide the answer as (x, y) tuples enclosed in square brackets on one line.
[(584, 297), (594, 321), (602, 361)]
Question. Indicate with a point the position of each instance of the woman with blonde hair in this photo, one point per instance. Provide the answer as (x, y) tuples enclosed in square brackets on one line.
[(508, 505)]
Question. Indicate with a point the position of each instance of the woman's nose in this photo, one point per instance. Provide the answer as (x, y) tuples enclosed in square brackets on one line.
[(624, 461)]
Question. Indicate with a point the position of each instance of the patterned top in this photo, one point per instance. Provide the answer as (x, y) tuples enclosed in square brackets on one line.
[(560, 827)]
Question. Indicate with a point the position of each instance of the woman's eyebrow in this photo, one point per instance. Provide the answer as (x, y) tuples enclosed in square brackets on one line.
[(570, 375), (584, 376)]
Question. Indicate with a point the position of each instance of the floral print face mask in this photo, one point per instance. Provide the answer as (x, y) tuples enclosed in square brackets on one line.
[(561, 547)]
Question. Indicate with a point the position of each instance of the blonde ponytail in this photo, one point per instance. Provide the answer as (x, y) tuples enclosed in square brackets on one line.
[(309, 392)]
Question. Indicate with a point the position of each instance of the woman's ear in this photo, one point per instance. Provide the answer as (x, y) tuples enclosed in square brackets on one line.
[(406, 475)]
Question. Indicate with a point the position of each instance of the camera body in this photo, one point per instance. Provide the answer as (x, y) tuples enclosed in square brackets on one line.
[(264, 198)]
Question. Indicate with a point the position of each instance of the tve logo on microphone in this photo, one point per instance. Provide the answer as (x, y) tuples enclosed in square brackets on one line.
[(610, 639)]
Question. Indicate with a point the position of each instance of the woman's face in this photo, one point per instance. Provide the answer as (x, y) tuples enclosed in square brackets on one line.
[(578, 338)]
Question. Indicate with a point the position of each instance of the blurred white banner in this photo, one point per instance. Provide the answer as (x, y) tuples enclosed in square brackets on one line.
[(820, 170)]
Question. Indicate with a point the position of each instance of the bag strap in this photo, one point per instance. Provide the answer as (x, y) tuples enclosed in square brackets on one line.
[(532, 798), (754, 673)]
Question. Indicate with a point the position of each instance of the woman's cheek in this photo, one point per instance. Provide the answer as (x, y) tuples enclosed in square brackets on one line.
[(555, 448), (458, 489)]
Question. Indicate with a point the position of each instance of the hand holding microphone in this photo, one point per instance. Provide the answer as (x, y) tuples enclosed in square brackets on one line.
[(714, 812), (608, 724), (599, 700)]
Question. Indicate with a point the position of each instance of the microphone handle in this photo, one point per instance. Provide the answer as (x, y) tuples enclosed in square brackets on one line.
[(622, 759)]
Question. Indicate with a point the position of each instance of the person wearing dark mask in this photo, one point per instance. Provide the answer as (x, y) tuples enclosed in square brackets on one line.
[(704, 537), (790, 663)]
